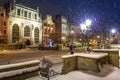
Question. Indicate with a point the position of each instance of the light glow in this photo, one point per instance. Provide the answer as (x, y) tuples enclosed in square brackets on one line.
[(88, 22), (113, 31)]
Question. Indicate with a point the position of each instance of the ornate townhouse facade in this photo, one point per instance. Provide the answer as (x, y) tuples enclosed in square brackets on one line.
[(48, 30)]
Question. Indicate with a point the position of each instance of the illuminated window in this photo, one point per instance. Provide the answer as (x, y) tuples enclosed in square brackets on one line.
[(27, 31)]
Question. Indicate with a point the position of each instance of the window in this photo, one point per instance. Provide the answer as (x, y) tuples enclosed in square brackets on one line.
[(15, 33), (29, 15), (27, 31), (25, 14), (1, 14), (4, 23), (36, 35), (18, 12), (35, 16), (4, 32)]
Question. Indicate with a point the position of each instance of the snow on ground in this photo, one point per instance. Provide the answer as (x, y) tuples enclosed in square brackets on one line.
[(78, 75), (82, 75)]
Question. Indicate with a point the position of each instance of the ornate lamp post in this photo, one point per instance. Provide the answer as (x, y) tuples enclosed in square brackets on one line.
[(85, 27)]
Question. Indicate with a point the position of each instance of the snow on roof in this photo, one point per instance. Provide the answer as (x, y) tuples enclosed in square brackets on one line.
[(88, 55)]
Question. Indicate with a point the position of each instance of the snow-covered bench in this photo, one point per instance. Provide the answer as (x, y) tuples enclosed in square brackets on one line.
[(18, 68)]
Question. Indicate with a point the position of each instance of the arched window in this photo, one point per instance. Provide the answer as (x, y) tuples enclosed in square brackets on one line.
[(15, 33), (27, 31), (36, 35)]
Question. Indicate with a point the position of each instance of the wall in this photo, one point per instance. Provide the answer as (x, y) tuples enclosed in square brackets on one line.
[(70, 64)]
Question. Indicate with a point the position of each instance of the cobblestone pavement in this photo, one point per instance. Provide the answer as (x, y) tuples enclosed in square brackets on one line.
[(14, 56)]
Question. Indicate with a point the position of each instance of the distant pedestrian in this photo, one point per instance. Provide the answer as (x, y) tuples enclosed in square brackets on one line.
[(88, 49), (71, 47)]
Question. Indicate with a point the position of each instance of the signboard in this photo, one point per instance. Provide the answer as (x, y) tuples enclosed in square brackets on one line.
[(49, 19)]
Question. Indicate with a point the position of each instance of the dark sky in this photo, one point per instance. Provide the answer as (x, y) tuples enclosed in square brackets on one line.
[(99, 11)]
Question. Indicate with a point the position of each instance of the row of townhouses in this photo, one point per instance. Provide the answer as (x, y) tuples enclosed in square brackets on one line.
[(19, 23)]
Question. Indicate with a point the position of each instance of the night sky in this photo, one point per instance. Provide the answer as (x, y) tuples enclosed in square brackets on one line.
[(99, 11)]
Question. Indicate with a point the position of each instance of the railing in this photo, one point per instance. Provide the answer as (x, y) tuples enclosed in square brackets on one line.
[(46, 71)]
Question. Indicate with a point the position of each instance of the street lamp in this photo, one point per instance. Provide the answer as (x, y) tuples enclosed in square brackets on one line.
[(113, 31), (88, 22), (85, 27)]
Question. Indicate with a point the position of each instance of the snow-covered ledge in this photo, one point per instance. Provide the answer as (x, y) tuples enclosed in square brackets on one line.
[(18, 68), (18, 64), (113, 55), (84, 61), (106, 49), (87, 55)]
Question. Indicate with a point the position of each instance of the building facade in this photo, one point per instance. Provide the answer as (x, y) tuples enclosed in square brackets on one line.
[(3, 26), (48, 30), (62, 29), (23, 24)]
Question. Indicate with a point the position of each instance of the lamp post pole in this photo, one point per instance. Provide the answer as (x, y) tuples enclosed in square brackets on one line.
[(85, 28), (72, 36), (113, 31)]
